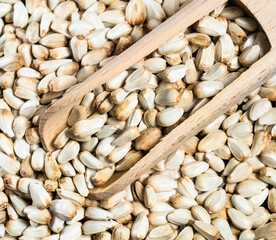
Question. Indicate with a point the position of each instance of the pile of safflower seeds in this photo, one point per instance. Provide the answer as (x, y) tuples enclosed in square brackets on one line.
[(222, 187)]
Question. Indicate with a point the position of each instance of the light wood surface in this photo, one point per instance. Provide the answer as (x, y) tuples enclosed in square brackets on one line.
[(54, 119), (231, 95), (258, 73)]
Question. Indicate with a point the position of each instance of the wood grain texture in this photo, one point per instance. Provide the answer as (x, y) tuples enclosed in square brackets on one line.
[(231, 95), (258, 73), (265, 12), (54, 118)]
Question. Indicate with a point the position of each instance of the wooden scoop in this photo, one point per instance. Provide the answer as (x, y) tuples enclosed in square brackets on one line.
[(55, 117)]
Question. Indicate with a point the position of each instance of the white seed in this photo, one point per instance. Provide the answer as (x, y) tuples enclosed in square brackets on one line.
[(212, 141), (216, 72), (215, 201), (6, 145), (215, 162), (150, 198), (175, 73), (223, 227), (194, 169), (180, 217), (16, 227), (128, 135), (239, 149), (80, 184), (121, 210), (71, 231), (186, 233), (207, 182), (211, 26), (200, 213), (9, 165), (90, 161), (259, 217), (258, 199), (207, 230), (208, 88), (165, 232), (69, 152), (241, 172), (161, 183), (250, 55), (185, 186), (6, 120), (239, 219), (242, 204), (92, 227), (39, 195), (20, 15), (250, 188), (268, 118), (63, 208), (96, 213), (169, 116), (85, 128), (38, 216)]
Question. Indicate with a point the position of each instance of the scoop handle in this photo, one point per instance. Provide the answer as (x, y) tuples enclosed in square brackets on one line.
[(248, 81), (54, 119)]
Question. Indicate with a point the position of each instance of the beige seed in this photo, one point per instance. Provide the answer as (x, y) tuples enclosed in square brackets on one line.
[(224, 50), (259, 217), (39, 195), (266, 232), (129, 160), (207, 89), (250, 188), (207, 230), (128, 135), (51, 167), (247, 23), (143, 142), (215, 201), (194, 169), (207, 182), (102, 176), (123, 110), (217, 72), (200, 213), (205, 58), (237, 34), (250, 55), (164, 117), (11, 62), (241, 172), (53, 40), (268, 175), (239, 219), (211, 26), (232, 12), (212, 141), (223, 225), (64, 209), (239, 149), (200, 39)]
